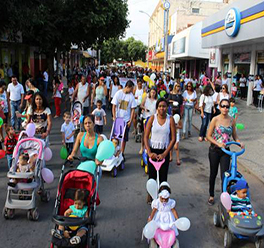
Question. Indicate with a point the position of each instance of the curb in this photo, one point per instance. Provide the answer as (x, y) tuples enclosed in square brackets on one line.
[(241, 164)]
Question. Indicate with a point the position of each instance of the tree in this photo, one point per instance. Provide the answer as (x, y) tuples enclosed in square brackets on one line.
[(57, 24), (129, 50)]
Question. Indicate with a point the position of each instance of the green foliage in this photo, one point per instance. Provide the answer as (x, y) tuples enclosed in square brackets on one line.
[(127, 50), (51, 24)]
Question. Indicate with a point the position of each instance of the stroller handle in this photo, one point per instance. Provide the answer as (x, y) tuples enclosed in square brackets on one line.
[(230, 153), (70, 221)]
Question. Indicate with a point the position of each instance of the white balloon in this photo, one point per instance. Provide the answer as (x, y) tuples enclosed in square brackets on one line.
[(183, 224), (175, 104), (176, 118), (152, 188), (150, 229)]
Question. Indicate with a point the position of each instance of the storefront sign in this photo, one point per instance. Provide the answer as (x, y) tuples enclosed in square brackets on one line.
[(160, 45), (240, 58), (212, 58), (178, 46), (232, 22)]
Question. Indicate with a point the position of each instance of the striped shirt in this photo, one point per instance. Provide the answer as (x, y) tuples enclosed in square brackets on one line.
[(239, 204)]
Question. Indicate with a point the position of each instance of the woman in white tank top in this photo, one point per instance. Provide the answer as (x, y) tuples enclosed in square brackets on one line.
[(223, 95), (161, 127)]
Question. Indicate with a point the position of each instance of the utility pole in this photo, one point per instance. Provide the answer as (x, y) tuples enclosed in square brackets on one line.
[(166, 6)]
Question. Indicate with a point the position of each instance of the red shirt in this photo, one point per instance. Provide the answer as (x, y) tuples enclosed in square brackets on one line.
[(10, 144)]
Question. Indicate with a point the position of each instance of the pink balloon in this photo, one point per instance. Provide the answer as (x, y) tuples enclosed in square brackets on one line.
[(165, 239), (47, 175), (30, 130), (157, 164), (47, 154), (226, 200)]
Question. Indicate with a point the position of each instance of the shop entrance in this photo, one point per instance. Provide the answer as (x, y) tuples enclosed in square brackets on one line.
[(261, 70), (241, 69)]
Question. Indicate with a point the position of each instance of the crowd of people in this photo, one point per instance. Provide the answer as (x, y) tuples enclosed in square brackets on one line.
[(153, 103)]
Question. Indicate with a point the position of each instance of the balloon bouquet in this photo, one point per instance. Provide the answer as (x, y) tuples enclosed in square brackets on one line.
[(46, 173), (163, 234)]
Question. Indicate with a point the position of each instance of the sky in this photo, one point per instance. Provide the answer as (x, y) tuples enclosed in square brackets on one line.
[(139, 25)]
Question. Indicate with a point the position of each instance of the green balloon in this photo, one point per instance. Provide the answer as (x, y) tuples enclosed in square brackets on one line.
[(162, 93), (88, 166), (240, 126), (63, 153), (105, 150), (1, 121)]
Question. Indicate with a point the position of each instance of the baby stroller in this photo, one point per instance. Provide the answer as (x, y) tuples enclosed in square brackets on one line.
[(69, 182), (23, 195), (118, 132), (76, 113), (240, 226)]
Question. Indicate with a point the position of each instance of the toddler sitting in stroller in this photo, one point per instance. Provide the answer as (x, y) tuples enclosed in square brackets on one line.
[(117, 147), (78, 209), (240, 200), (23, 166)]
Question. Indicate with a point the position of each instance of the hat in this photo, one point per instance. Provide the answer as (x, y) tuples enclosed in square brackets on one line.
[(29, 94), (102, 78), (241, 184), (164, 194), (164, 184)]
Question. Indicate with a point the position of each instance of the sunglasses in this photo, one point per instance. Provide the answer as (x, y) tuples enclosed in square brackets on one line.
[(225, 106), (223, 88)]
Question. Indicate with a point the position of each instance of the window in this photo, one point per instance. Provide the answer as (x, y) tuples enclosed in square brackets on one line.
[(195, 10)]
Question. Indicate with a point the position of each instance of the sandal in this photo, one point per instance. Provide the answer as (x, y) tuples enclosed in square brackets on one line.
[(210, 201), (200, 139), (179, 163), (75, 240)]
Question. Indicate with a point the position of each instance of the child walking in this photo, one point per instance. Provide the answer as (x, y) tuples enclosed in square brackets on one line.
[(67, 131), (100, 117), (10, 143), (233, 112)]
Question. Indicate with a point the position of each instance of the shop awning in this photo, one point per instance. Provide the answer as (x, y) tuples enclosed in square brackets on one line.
[(159, 55)]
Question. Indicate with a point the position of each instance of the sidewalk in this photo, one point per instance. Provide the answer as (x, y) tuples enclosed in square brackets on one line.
[(252, 136)]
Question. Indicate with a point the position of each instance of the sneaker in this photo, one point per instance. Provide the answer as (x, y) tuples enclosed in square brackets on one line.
[(56, 233), (75, 240)]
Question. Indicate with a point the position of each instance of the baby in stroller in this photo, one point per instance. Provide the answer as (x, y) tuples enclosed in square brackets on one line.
[(24, 165), (78, 209), (117, 147)]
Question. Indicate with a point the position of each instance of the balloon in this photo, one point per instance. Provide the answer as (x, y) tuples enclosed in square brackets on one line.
[(47, 154), (63, 153), (146, 78), (1, 121), (162, 93), (175, 104), (176, 118), (151, 84), (2, 154), (74, 228), (30, 130), (226, 201), (88, 166), (183, 224), (105, 150), (150, 229), (144, 95), (157, 164), (152, 188), (81, 119), (240, 126), (47, 175)]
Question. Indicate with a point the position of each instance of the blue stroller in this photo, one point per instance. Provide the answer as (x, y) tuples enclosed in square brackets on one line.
[(244, 227)]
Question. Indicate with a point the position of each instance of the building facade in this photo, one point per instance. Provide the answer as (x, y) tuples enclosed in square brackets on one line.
[(236, 36)]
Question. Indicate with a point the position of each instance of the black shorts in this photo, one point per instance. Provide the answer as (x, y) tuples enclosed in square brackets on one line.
[(98, 128), (6, 119), (126, 133)]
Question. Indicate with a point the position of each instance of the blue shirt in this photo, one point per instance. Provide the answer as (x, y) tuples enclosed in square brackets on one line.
[(79, 212)]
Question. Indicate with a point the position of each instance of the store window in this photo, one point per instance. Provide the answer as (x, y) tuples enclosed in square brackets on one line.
[(195, 10)]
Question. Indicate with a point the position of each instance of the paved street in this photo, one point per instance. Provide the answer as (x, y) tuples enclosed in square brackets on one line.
[(123, 211)]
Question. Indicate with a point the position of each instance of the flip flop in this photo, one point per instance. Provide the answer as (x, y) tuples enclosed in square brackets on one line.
[(178, 163), (210, 202)]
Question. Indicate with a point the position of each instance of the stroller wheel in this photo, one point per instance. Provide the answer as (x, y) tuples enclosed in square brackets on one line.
[(146, 168), (228, 239), (97, 243), (122, 166), (45, 196), (29, 215), (35, 214), (8, 213), (142, 163), (114, 172), (259, 243), (217, 219), (4, 213)]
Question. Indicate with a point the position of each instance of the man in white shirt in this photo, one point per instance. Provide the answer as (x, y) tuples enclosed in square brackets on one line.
[(15, 93), (123, 106), (45, 81)]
